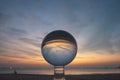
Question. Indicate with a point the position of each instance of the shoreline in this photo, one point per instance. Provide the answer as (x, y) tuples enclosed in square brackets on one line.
[(110, 76)]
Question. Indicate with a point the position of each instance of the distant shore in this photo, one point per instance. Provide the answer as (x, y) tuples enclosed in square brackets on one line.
[(68, 77)]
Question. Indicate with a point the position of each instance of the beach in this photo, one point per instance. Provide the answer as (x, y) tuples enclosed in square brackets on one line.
[(68, 77)]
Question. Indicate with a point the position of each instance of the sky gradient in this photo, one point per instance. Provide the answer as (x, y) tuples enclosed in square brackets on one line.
[(95, 24)]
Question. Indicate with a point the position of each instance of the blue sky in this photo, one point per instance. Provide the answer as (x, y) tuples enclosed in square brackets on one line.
[(95, 24)]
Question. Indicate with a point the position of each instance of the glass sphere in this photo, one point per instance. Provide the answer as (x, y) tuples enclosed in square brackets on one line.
[(59, 48)]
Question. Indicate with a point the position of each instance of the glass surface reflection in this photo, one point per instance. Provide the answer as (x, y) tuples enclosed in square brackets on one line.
[(59, 49)]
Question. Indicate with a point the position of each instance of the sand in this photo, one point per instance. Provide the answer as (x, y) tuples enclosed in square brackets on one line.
[(68, 77)]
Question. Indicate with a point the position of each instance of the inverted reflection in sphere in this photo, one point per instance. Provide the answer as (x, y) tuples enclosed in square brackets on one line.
[(59, 48)]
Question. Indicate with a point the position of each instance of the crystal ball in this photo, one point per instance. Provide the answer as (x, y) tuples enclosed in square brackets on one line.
[(59, 48)]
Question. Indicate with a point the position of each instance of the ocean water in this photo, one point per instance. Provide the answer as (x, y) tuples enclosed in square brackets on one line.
[(67, 71)]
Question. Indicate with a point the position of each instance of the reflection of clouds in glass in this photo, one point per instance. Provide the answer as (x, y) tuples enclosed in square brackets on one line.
[(60, 44), (59, 52)]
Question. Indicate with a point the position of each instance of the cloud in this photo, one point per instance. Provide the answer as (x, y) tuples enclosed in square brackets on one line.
[(85, 57), (104, 40), (15, 31), (19, 51), (98, 25), (9, 41), (12, 31), (6, 52), (9, 36), (33, 42), (28, 52), (12, 40)]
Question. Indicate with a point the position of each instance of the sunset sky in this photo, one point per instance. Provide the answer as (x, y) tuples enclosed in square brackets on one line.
[(95, 24)]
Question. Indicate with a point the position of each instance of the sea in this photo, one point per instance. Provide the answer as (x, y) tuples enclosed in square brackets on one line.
[(67, 71)]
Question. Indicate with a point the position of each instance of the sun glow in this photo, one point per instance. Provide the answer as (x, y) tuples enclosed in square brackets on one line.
[(95, 59)]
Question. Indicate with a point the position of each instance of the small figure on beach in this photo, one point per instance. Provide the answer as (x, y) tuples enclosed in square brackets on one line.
[(15, 72)]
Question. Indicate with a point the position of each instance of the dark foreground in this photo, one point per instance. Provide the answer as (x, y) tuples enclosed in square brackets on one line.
[(68, 77)]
